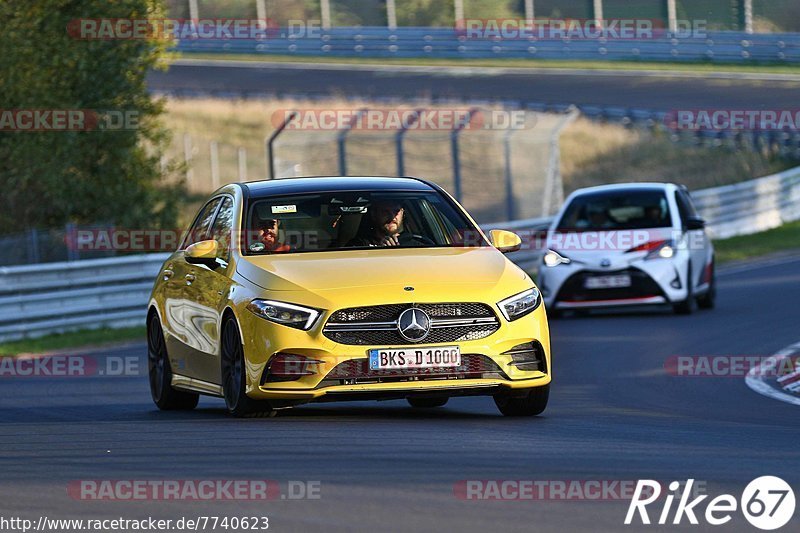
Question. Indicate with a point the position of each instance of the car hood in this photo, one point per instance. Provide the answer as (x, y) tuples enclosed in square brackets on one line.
[(605, 249), (454, 268)]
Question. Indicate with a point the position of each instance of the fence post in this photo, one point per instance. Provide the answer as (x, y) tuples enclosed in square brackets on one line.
[(214, 149), (748, 16), (401, 164), (598, 13), (553, 185), (187, 158), (325, 12), (242, 164), (459, 11), (529, 11), (271, 141), (71, 237), (341, 141), (509, 175), (456, 153), (261, 13), (33, 246), (672, 16), (391, 14)]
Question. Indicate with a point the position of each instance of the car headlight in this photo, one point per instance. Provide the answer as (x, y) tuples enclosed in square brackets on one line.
[(553, 259), (294, 316), (664, 251), (520, 305)]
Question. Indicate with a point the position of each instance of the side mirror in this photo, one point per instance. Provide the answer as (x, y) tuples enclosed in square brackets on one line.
[(203, 253), (695, 223), (505, 241)]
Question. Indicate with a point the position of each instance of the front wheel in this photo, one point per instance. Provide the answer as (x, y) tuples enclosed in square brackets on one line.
[(532, 404), (709, 299), (160, 373), (686, 307), (234, 375)]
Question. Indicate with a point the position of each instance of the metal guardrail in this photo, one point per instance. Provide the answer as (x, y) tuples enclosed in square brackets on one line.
[(47, 298), (410, 42)]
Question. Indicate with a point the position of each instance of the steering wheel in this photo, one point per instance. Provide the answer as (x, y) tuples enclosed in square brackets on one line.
[(423, 239)]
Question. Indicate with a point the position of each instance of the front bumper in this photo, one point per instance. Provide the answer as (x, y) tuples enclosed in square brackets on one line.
[(653, 282), (326, 380)]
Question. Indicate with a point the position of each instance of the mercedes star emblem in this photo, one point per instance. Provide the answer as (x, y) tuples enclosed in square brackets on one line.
[(414, 325)]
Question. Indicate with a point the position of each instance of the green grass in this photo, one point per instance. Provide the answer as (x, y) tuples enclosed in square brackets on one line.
[(77, 339), (758, 68), (786, 237)]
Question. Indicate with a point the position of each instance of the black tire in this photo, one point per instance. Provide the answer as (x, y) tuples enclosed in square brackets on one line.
[(427, 403), (709, 299), (532, 404), (686, 307), (160, 373), (233, 376)]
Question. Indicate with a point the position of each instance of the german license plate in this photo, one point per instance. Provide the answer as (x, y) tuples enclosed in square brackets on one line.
[(609, 282), (407, 358)]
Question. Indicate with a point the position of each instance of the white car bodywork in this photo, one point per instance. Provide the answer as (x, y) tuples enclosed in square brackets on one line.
[(589, 255)]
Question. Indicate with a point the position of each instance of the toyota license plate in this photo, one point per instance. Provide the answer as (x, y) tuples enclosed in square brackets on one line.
[(407, 358), (609, 282)]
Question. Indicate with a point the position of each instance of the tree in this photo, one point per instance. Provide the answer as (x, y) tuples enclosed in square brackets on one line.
[(49, 178)]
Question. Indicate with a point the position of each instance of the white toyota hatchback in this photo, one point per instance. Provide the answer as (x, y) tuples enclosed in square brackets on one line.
[(625, 245)]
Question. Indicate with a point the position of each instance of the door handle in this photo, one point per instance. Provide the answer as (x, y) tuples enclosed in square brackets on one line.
[(168, 274), (190, 279)]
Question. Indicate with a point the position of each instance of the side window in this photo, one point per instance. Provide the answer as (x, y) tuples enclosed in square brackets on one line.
[(683, 206), (223, 229), (202, 224), (689, 204)]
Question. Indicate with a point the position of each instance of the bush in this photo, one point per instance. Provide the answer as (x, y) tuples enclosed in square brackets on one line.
[(50, 178)]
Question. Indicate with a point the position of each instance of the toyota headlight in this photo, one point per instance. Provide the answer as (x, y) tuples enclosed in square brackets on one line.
[(294, 316), (520, 305), (553, 259)]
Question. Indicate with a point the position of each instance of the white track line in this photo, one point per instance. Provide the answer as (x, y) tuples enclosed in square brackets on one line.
[(447, 70), (756, 381)]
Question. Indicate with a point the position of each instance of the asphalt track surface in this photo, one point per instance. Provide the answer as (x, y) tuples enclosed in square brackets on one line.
[(642, 90), (615, 414)]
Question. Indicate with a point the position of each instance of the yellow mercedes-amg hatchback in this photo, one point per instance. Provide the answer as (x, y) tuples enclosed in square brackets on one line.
[(323, 289)]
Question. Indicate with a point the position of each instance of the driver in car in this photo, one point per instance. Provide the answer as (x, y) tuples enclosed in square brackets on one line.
[(385, 227), (268, 237)]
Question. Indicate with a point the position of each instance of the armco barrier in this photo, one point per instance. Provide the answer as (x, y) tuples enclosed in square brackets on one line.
[(409, 42), (40, 299)]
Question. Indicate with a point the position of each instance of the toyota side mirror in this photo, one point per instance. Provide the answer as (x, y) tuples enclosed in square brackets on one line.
[(695, 223)]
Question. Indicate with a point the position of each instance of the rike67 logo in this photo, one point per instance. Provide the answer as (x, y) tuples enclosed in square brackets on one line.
[(768, 503)]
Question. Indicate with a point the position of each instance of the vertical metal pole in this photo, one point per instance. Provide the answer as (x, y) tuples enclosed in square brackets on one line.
[(456, 153), (598, 13), (672, 16), (342, 141), (554, 187), (391, 14), (459, 10), (261, 13), (401, 163), (271, 141), (194, 12), (214, 149), (71, 236), (187, 158), (242, 164), (748, 16), (509, 175), (529, 11), (325, 12), (33, 245)]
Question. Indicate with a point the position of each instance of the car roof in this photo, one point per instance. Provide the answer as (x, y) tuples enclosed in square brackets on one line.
[(616, 187), (327, 184)]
